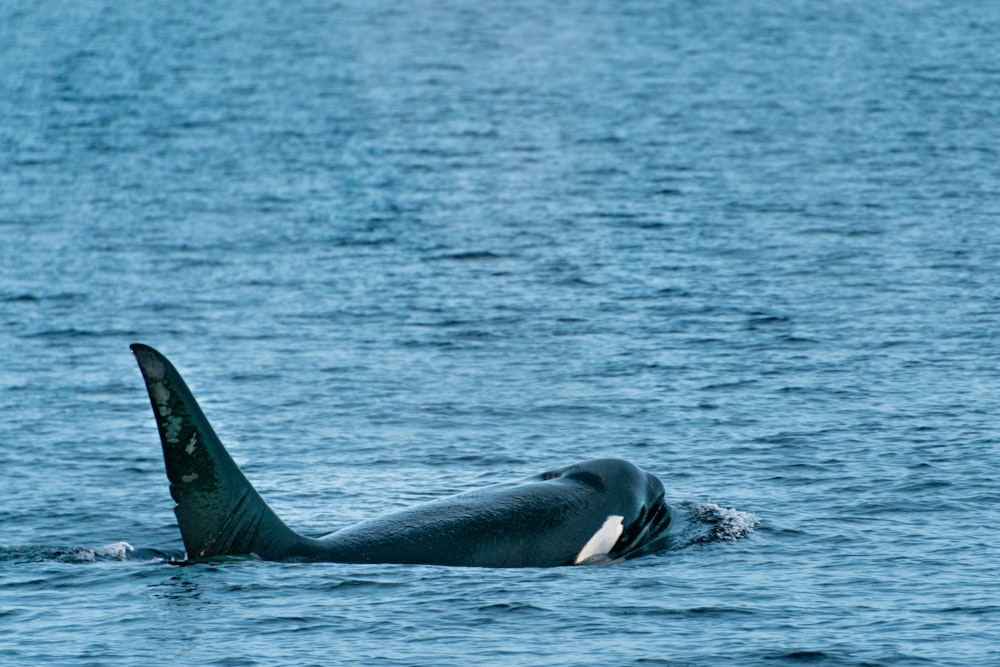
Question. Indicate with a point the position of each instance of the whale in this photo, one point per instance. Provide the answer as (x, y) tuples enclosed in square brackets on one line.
[(599, 511)]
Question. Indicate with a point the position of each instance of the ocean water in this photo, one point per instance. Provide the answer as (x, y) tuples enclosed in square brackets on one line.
[(403, 250)]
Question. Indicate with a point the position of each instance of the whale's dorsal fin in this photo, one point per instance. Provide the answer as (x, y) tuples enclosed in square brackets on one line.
[(218, 510)]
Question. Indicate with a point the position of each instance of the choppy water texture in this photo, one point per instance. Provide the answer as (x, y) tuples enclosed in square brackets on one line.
[(401, 250)]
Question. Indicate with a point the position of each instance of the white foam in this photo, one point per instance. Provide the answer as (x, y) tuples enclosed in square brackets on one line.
[(603, 540), (116, 550), (728, 523)]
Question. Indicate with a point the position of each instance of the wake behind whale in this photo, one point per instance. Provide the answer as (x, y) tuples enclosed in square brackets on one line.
[(597, 511)]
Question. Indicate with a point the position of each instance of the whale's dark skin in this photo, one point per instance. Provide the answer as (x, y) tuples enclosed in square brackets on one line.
[(596, 511)]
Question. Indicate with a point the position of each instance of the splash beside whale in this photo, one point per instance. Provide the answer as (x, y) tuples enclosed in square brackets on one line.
[(597, 511)]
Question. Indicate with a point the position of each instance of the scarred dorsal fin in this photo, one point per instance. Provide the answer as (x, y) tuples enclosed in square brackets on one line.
[(218, 510)]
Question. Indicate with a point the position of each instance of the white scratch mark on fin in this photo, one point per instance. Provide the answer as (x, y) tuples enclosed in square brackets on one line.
[(190, 446), (154, 368), (160, 394), (173, 428), (602, 541), (189, 478)]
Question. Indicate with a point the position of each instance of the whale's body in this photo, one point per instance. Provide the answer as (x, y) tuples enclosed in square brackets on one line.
[(595, 511)]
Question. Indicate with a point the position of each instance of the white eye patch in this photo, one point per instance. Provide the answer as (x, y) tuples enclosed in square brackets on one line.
[(602, 541)]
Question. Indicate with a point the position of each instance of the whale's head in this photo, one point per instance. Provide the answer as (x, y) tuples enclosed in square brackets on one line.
[(633, 508)]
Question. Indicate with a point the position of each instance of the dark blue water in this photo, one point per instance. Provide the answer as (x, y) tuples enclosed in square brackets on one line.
[(401, 250)]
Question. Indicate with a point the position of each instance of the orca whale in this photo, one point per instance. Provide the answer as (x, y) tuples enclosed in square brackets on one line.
[(594, 512)]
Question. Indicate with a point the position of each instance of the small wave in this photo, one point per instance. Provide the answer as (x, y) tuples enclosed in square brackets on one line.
[(726, 523), (703, 523), (115, 551), (62, 554)]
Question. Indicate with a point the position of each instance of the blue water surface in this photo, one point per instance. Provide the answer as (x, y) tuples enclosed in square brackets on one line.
[(402, 250)]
